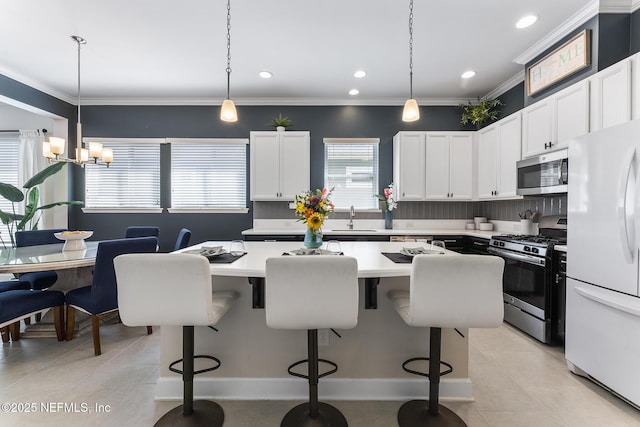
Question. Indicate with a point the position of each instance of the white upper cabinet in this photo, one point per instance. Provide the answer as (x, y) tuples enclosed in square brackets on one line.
[(280, 164), (611, 96), (409, 165), (549, 124), (499, 148), (433, 165)]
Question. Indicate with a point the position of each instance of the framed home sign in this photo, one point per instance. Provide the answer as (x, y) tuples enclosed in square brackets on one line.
[(571, 57)]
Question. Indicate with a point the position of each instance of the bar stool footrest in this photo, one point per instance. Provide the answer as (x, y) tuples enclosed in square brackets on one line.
[(324, 374), (201, 371), (425, 374)]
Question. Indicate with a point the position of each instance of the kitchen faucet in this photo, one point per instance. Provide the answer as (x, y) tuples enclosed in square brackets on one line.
[(352, 213)]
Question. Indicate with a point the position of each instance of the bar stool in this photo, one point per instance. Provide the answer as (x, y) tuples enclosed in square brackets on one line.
[(446, 292), (175, 290), (312, 292)]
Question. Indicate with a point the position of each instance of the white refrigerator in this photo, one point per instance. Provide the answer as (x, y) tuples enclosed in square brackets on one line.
[(603, 301)]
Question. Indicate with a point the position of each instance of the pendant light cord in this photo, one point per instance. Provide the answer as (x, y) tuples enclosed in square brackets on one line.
[(229, 45), (411, 49)]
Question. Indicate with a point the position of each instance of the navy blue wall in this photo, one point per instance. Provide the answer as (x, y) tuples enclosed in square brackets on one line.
[(634, 44)]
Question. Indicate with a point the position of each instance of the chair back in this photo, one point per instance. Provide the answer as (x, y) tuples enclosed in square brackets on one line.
[(183, 239), (177, 288), (38, 237), (311, 292), (456, 291), (142, 231), (104, 294)]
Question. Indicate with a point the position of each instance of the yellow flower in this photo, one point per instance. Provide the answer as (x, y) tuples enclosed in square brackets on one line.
[(299, 208), (315, 221)]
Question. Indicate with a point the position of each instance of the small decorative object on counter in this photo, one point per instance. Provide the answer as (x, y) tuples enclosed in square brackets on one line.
[(526, 224), (312, 208), (281, 123), (388, 204)]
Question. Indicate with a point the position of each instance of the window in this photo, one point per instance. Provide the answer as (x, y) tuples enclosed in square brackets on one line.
[(351, 167), (8, 171), (209, 174), (132, 181)]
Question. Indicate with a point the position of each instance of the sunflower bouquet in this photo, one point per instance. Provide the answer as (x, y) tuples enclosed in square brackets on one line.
[(313, 207)]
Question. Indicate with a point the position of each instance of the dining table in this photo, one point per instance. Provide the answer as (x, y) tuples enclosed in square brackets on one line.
[(255, 357)]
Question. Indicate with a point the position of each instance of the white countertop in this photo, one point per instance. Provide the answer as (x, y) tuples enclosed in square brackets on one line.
[(372, 232), (560, 248), (371, 262)]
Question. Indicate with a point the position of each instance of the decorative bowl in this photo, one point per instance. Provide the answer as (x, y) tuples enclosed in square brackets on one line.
[(74, 240)]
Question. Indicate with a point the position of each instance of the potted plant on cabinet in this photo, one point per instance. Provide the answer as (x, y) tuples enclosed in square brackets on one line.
[(477, 114), (281, 123)]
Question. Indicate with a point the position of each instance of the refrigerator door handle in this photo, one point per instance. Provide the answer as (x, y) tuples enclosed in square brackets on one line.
[(626, 238)]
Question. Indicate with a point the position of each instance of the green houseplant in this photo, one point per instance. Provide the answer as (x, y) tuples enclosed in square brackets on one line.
[(281, 121), (477, 114), (17, 222)]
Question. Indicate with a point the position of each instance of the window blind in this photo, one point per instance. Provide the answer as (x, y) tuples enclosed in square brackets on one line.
[(131, 181), (8, 165), (351, 168), (211, 174)]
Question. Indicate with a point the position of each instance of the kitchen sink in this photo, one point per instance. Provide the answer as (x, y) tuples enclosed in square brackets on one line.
[(353, 230)]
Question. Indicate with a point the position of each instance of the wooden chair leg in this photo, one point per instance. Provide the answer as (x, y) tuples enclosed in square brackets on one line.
[(149, 330), (58, 319), (5, 334), (71, 322), (14, 329), (27, 321), (38, 317), (95, 323)]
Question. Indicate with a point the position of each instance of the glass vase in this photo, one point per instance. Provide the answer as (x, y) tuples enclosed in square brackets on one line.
[(388, 220), (313, 238)]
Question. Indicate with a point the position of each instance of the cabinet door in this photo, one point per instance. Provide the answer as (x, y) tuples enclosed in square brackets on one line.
[(265, 165), (488, 161), (510, 136), (572, 113), (409, 165), (294, 164), (537, 127), (437, 166), (611, 96), (461, 166)]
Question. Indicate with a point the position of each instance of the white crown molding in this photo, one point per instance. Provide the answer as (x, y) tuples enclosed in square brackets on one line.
[(635, 5), (272, 101), (578, 18), (618, 6), (38, 86), (513, 81)]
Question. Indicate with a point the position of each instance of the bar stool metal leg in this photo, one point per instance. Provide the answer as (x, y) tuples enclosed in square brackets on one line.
[(190, 413)]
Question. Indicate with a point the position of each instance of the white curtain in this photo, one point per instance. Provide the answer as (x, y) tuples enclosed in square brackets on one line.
[(31, 159)]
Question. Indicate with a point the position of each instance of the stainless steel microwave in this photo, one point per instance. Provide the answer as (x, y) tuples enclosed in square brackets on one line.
[(547, 173)]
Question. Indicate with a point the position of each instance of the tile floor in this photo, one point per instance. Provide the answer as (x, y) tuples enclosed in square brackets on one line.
[(517, 382)]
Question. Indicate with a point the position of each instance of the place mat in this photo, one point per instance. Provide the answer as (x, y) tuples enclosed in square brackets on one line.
[(311, 252), (225, 258), (397, 257)]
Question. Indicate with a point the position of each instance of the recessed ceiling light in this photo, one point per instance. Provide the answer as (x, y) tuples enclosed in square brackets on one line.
[(359, 74), (265, 74), (354, 92), (526, 21), (468, 74)]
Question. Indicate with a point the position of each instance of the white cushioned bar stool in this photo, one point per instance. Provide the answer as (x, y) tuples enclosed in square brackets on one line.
[(446, 292), (312, 292), (171, 290)]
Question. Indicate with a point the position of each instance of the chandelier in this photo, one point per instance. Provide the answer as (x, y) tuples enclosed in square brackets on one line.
[(411, 111), (55, 147)]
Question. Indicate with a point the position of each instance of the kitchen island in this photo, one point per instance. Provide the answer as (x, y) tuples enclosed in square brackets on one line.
[(255, 357)]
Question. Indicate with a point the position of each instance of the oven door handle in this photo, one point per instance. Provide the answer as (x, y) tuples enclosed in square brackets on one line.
[(518, 257)]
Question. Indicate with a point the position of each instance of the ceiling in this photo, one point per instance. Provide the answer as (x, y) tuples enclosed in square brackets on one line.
[(165, 51)]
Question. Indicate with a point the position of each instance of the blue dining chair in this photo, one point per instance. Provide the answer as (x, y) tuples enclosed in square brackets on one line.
[(38, 279), (21, 304), (183, 239), (101, 296), (142, 231)]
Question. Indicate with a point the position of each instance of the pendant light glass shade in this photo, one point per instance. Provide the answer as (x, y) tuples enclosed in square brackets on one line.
[(228, 111), (411, 111)]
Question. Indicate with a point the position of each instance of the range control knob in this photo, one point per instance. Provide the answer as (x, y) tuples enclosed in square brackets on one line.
[(535, 250), (527, 249)]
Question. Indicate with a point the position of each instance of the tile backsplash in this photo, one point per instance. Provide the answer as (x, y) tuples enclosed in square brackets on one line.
[(501, 210)]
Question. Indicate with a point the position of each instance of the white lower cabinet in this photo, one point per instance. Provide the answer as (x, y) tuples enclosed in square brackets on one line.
[(499, 148)]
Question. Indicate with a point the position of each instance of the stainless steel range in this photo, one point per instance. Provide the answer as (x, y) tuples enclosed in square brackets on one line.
[(533, 297)]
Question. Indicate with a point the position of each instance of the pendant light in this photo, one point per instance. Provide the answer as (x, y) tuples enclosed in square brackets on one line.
[(228, 111), (54, 148), (411, 111)]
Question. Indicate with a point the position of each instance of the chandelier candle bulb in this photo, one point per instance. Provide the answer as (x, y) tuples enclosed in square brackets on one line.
[(107, 155), (82, 155), (46, 150), (56, 145), (95, 150)]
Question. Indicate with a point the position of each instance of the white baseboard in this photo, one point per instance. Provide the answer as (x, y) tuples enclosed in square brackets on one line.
[(328, 389)]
